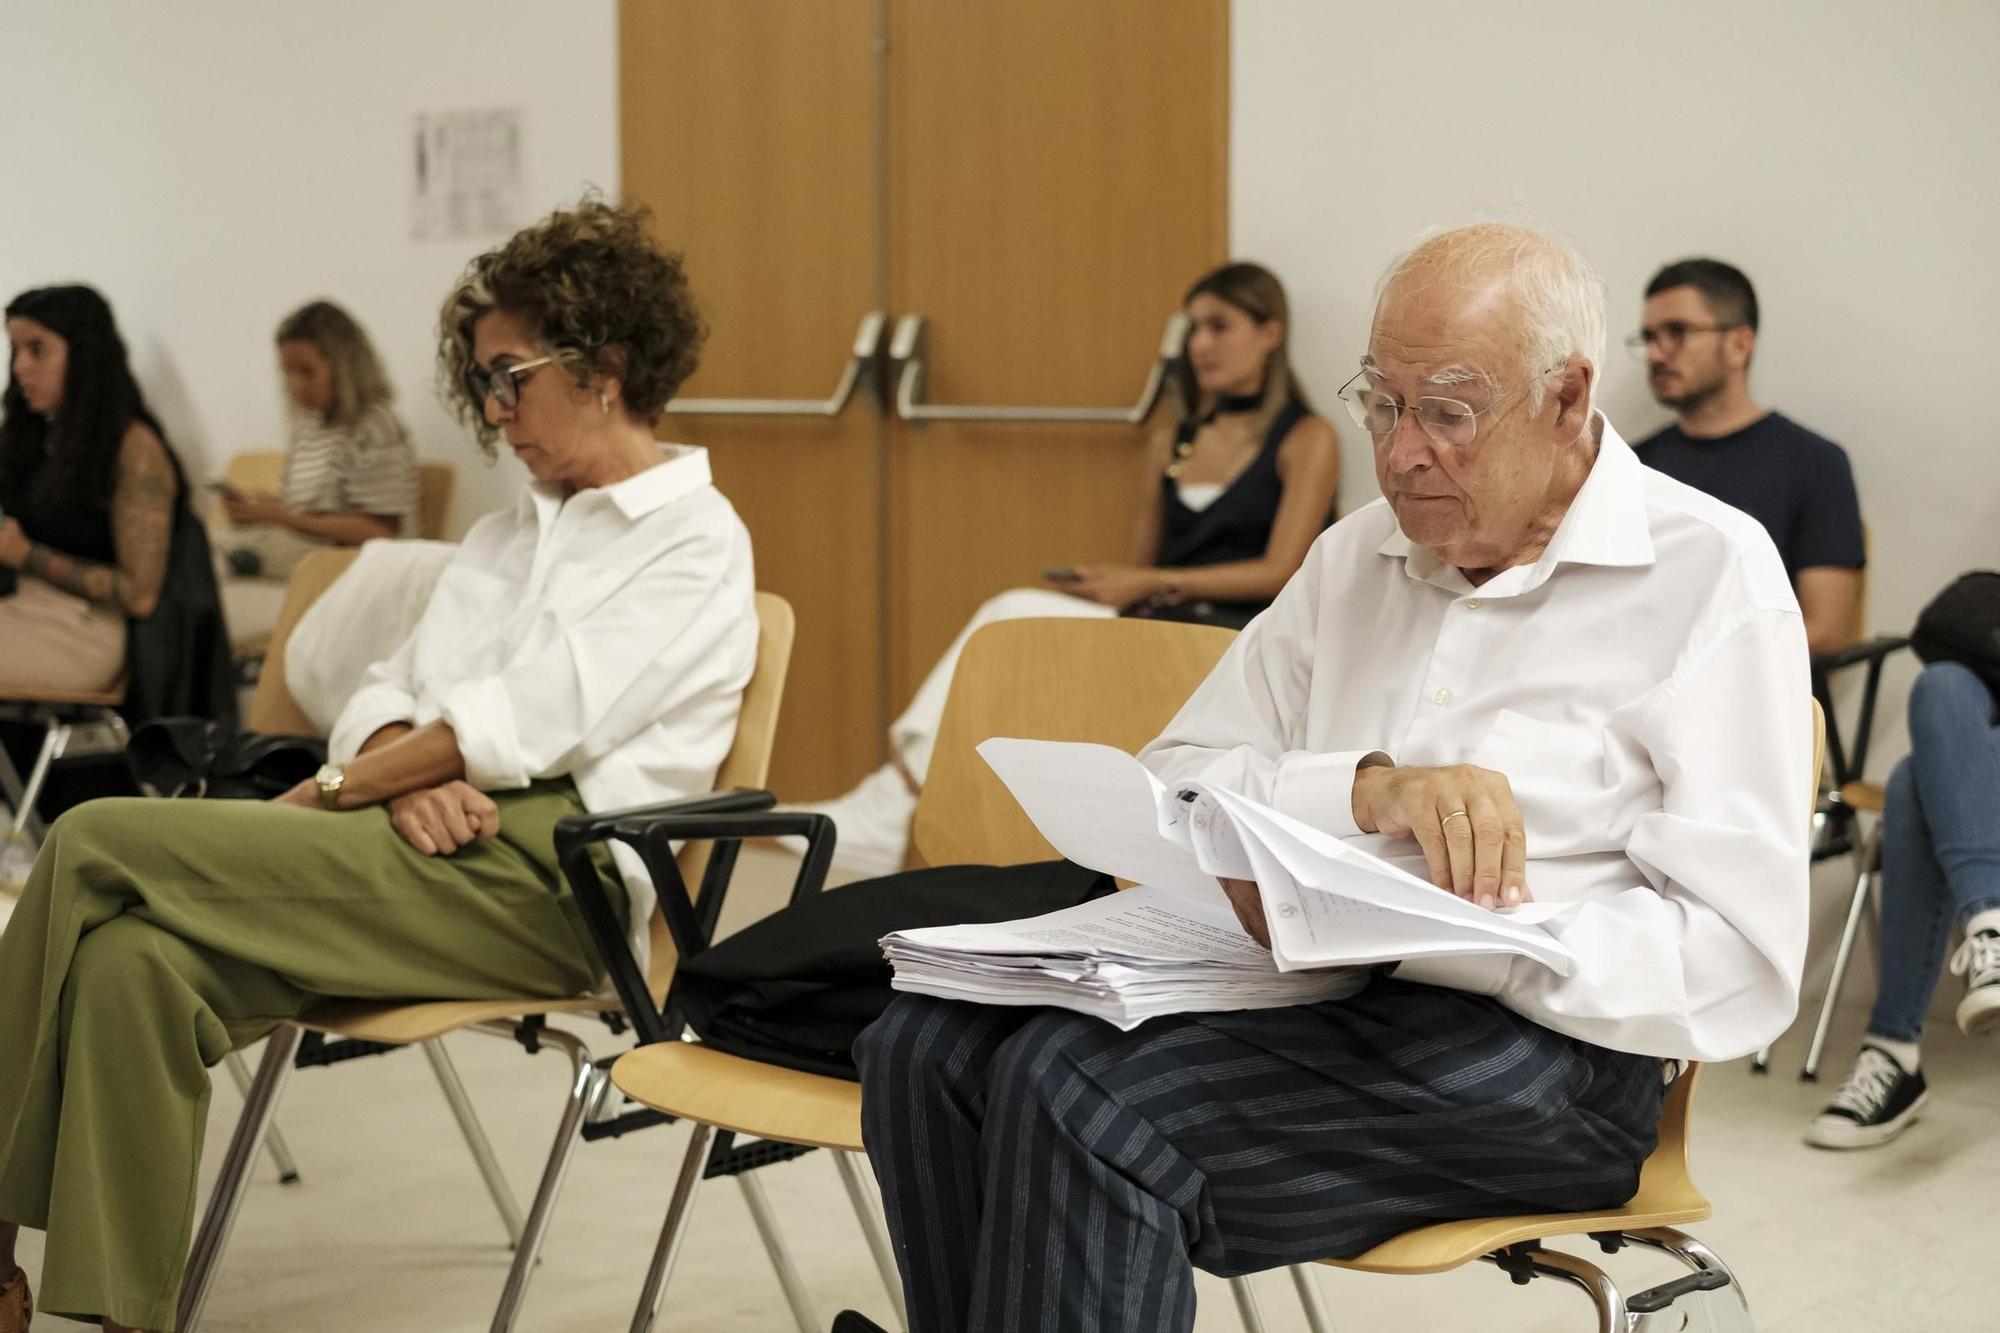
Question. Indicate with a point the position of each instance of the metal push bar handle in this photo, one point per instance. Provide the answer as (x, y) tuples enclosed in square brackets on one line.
[(860, 361), (908, 350)]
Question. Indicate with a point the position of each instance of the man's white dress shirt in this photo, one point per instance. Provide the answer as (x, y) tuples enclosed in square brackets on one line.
[(606, 637), (1643, 686)]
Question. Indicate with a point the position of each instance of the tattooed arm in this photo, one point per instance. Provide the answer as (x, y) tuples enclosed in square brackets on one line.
[(142, 528)]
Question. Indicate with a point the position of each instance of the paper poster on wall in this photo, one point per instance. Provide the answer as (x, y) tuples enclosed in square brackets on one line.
[(468, 174)]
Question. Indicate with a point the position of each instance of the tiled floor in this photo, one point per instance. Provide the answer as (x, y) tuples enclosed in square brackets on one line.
[(391, 1229)]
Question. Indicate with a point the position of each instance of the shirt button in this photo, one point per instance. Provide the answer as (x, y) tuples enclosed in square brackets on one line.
[(1472, 603), (1442, 696)]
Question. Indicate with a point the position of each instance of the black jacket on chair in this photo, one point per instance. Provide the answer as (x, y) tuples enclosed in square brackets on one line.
[(177, 659), (796, 988)]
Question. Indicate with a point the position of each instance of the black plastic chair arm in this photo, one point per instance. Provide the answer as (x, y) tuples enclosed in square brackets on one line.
[(739, 798), (1868, 650), (1846, 765), (652, 833)]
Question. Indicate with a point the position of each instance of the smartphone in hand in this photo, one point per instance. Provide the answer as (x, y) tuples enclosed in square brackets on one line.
[(1061, 574)]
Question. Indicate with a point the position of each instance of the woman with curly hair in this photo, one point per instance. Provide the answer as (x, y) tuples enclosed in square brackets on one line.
[(587, 649)]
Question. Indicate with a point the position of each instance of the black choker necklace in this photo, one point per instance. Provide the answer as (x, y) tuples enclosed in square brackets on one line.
[(1225, 404), (1233, 404)]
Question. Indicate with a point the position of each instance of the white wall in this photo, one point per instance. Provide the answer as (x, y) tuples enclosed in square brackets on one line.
[(1843, 152), (210, 166)]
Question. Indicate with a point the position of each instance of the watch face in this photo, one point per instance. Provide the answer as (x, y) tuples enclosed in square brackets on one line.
[(328, 775)]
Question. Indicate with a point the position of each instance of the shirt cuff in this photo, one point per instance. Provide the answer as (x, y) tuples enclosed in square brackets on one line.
[(1479, 973), (365, 714), (482, 718), (1318, 789)]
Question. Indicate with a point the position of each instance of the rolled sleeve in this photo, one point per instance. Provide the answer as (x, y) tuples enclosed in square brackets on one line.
[(481, 717), (1318, 789)]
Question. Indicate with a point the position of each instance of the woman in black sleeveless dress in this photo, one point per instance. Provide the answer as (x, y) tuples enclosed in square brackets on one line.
[(1235, 493)]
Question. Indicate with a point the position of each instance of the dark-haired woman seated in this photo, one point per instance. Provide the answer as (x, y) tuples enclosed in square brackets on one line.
[(89, 492), (1235, 493), (587, 649)]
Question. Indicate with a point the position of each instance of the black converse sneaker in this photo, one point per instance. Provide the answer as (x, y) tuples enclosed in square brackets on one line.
[(1878, 1102), (1978, 961)]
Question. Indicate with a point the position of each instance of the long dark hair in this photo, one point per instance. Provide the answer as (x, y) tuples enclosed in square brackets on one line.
[(1256, 291), (100, 401)]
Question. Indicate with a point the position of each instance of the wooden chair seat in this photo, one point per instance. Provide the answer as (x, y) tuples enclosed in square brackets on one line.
[(80, 699), (747, 1096), (1868, 796), (407, 1022), (1667, 1197)]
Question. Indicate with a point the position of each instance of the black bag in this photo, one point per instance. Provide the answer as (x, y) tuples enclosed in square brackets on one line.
[(199, 757), (796, 988), (1962, 624)]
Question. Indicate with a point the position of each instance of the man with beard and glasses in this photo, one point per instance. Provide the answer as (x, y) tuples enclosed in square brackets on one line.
[(1696, 338)]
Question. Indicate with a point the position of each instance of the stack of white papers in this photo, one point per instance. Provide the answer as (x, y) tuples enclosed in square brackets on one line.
[(1173, 944), (1123, 958)]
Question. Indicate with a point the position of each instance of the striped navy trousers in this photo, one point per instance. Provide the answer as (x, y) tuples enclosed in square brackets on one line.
[(1046, 1172)]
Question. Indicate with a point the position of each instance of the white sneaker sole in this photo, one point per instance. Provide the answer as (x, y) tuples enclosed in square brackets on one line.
[(1839, 1133), (1979, 1011)]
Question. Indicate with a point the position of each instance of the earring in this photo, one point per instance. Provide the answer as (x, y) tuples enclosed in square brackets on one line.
[(604, 403)]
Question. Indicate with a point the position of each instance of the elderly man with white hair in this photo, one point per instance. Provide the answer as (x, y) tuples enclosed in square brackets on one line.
[(1541, 672)]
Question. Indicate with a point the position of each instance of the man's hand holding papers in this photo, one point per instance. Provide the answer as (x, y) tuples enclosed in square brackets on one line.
[(1176, 944)]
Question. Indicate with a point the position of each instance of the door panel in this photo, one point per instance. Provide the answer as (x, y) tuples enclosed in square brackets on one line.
[(1057, 177), (750, 128)]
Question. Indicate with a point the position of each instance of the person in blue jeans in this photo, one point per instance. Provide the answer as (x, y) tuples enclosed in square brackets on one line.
[(1940, 868)]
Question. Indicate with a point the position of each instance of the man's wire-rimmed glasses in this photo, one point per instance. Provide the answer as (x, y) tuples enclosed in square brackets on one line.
[(1446, 420)]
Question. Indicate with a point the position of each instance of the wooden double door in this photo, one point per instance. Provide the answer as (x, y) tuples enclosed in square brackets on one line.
[(1039, 180)]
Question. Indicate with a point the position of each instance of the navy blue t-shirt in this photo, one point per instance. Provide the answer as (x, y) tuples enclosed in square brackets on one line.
[(1797, 484)]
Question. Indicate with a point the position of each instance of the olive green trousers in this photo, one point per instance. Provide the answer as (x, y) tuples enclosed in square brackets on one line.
[(156, 936)]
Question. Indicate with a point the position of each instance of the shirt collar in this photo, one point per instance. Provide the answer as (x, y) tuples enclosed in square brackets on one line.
[(1605, 525), (682, 471)]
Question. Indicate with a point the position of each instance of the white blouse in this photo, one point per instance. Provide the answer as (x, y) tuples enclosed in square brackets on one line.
[(1643, 686), (606, 637)]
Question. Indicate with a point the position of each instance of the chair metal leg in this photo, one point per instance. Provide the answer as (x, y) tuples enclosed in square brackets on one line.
[(586, 1086), (1870, 865), (274, 1141), (1246, 1304), (849, 1165), (693, 1164), (1596, 1283), (259, 1105), (1318, 1319), (475, 1139), (54, 740), (789, 1278), (1726, 1309)]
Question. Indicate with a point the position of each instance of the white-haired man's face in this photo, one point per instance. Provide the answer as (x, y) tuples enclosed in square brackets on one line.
[(1494, 500)]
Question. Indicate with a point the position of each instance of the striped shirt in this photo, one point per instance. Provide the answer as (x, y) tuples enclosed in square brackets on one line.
[(364, 468)]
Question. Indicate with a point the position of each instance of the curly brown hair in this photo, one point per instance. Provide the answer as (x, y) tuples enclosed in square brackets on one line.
[(592, 284)]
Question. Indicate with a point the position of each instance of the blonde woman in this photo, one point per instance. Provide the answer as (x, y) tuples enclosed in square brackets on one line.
[(350, 473)]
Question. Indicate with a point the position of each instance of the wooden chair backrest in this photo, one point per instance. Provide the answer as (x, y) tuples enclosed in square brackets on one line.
[(1116, 682), (264, 470), (271, 706)]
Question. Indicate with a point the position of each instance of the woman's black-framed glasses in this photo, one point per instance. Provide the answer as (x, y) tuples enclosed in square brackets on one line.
[(502, 383)]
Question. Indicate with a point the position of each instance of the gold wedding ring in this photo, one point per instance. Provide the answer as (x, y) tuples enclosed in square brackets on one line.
[(1456, 814)]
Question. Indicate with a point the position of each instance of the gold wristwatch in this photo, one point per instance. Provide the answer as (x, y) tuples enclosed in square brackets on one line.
[(328, 780)]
